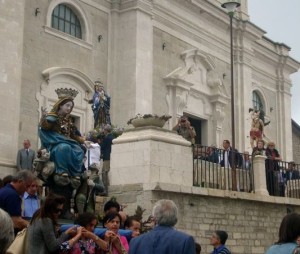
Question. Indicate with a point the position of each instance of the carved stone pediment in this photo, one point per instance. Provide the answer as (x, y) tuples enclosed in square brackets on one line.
[(197, 80)]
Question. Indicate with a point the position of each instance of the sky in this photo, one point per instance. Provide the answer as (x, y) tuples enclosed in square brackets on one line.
[(280, 19)]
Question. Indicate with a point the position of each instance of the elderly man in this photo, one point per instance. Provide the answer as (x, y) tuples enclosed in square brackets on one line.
[(10, 200), (25, 156), (163, 239)]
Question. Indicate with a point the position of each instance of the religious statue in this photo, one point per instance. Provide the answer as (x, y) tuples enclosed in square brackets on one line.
[(257, 127), (100, 106), (60, 137)]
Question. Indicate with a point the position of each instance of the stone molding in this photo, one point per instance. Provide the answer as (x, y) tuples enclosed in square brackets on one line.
[(151, 133), (197, 79)]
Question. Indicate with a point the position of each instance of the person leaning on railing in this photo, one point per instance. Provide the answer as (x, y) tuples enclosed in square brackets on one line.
[(259, 149), (212, 154), (273, 157)]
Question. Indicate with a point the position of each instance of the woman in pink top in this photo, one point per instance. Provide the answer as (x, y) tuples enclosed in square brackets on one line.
[(117, 244)]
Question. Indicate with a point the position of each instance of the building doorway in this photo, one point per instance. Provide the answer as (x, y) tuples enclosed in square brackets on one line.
[(196, 123)]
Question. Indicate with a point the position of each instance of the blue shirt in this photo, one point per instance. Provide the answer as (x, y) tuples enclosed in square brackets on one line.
[(281, 248), (10, 201), (221, 250), (31, 204)]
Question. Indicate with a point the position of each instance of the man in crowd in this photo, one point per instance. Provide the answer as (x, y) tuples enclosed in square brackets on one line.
[(230, 155), (31, 201), (163, 239), (25, 156), (184, 129), (218, 240), (292, 173), (10, 200), (105, 145)]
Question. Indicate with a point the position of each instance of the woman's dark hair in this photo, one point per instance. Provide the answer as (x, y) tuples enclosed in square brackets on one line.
[(289, 228), (111, 203), (85, 219), (110, 216), (49, 207), (129, 221)]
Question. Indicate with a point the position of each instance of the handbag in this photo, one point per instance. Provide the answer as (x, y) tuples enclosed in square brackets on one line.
[(20, 244)]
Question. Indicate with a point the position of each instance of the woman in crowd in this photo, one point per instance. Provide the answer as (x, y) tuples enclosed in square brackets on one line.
[(43, 232), (89, 243), (289, 231), (6, 232), (118, 244), (133, 223)]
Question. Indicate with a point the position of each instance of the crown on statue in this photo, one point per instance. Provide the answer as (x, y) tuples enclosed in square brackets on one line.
[(66, 93), (98, 83)]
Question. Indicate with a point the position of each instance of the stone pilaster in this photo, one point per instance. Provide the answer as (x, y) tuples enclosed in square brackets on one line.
[(11, 44), (260, 185)]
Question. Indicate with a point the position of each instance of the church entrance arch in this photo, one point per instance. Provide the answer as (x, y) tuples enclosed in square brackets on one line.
[(57, 77)]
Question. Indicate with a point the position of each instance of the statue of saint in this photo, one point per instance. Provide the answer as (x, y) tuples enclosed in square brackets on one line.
[(257, 127), (64, 142), (100, 106)]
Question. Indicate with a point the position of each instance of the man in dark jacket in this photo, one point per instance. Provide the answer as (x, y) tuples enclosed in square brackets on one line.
[(229, 154), (105, 145), (163, 239)]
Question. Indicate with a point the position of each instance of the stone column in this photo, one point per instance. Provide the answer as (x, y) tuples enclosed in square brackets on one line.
[(148, 155), (11, 44), (260, 184), (132, 65)]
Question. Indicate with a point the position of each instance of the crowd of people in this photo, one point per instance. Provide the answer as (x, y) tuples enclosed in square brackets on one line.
[(278, 173), (46, 235), (86, 235)]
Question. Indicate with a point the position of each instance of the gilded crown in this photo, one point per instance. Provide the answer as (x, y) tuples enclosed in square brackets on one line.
[(66, 93)]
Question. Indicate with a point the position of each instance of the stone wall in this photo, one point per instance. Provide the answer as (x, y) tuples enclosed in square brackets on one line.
[(252, 225)]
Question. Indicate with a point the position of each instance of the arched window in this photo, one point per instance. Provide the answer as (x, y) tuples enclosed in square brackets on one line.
[(65, 20), (256, 101)]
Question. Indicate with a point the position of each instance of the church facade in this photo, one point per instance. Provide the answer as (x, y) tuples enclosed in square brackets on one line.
[(153, 57)]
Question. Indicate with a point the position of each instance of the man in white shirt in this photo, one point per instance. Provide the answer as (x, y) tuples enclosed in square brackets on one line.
[(93, 156)]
